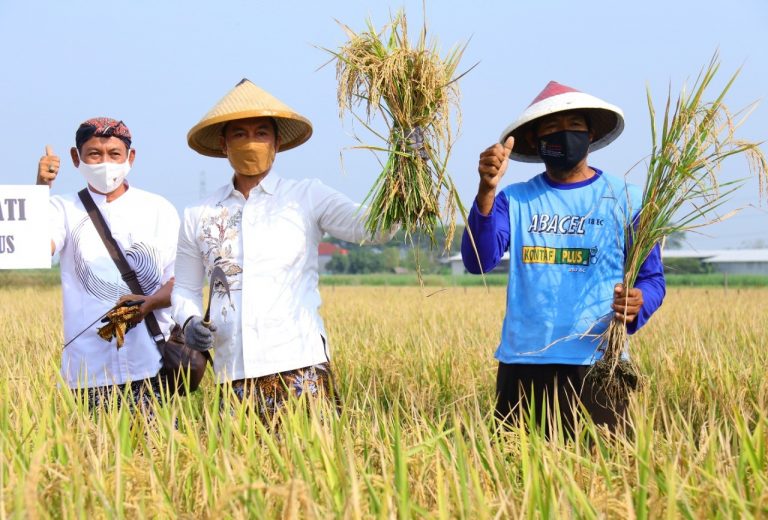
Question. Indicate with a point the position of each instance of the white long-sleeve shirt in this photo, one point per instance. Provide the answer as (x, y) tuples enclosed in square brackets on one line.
[(267, 245), (145, 226)]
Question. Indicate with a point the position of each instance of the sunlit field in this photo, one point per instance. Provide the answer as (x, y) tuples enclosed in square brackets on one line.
[(415, 372)]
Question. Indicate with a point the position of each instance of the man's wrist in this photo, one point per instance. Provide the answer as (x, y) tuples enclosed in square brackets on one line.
[(149, 303), (484, 200)]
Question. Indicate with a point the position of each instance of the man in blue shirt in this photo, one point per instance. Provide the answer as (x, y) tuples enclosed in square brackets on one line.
[(565, 233)]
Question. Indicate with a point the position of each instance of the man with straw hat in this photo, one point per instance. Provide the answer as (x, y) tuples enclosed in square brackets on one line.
[(263, 231), (145, 226), (564, 230)]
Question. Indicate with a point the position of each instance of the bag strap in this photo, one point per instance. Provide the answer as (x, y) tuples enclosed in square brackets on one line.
[(128, 275)]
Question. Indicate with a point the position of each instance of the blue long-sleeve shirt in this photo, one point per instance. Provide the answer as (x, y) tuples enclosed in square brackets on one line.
[(566, 244)]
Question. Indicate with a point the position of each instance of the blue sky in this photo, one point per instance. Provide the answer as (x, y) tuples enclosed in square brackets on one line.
[(160, 66)]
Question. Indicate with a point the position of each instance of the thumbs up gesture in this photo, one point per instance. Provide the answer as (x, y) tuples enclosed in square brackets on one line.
[(48, 167), (493, 164)]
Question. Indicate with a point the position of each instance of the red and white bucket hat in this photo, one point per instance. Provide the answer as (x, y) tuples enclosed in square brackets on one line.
[(606, 120)]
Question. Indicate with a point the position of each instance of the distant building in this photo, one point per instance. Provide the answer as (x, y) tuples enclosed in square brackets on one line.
[(457, 265), (731, 261), (324, 253)]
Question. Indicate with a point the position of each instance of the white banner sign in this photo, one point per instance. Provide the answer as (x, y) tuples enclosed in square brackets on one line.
[(25, 239)]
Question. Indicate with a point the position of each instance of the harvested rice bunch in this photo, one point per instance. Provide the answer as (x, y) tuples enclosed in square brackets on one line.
[(118, 322), (415, 92), (683, 192)]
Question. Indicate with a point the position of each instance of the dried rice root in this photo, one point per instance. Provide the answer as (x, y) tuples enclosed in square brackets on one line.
[(119, 321)]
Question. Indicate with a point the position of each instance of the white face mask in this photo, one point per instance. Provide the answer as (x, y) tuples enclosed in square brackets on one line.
[(105, 177)]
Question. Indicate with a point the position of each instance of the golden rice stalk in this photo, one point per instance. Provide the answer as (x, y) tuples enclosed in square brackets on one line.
[(415, 92), (683, 190)]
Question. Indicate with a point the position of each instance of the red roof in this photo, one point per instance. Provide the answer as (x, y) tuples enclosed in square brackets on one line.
[(327, 249)]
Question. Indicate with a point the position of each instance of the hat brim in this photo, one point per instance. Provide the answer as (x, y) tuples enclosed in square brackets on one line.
[(606, 123), (292, 130)]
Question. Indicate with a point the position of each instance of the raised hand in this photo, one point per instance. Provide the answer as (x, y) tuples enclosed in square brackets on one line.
[(48, 167), (493, 163)]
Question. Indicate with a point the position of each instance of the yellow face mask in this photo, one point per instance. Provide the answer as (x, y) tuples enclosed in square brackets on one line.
[(251, 157)]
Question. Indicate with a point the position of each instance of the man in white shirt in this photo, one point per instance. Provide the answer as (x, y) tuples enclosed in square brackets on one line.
[(263, 230), (145, 226)]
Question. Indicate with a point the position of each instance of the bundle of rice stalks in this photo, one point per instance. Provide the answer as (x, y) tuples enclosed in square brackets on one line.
[(415, 92), (683, 191), (119, 321)]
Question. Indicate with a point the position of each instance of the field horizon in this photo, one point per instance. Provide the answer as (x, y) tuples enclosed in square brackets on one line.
[(52, 278)]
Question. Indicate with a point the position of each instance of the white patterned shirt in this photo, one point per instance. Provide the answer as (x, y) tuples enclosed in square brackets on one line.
[(145, 226), (268, 247)]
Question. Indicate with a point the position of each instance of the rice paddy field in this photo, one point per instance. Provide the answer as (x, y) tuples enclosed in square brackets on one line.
[(416, 438)]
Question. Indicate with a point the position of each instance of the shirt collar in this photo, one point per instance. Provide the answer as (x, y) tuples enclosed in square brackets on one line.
[(100, 199), (228, 190), (268, 185), (572, 185)]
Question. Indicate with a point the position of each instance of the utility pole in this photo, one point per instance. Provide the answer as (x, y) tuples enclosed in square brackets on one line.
[(203, 189)]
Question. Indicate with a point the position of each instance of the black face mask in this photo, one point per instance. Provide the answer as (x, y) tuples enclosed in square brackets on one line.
[(562, 151)]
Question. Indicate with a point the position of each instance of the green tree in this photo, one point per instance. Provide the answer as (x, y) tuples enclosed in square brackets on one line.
[(390, 258), (675, 240), (338, 264), (425, 260), (422, 241), (685, 266), (363, 261)]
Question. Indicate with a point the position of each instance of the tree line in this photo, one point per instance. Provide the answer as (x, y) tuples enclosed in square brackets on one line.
[(401, 254)]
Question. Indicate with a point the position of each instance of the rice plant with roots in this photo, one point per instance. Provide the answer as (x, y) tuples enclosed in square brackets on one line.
[(415, 92), (683, 192)]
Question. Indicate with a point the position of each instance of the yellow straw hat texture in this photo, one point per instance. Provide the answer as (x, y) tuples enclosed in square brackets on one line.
[(244, 101)]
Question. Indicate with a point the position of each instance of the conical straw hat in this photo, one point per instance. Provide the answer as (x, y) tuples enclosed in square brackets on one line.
[(244, 101), (606, 120)]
